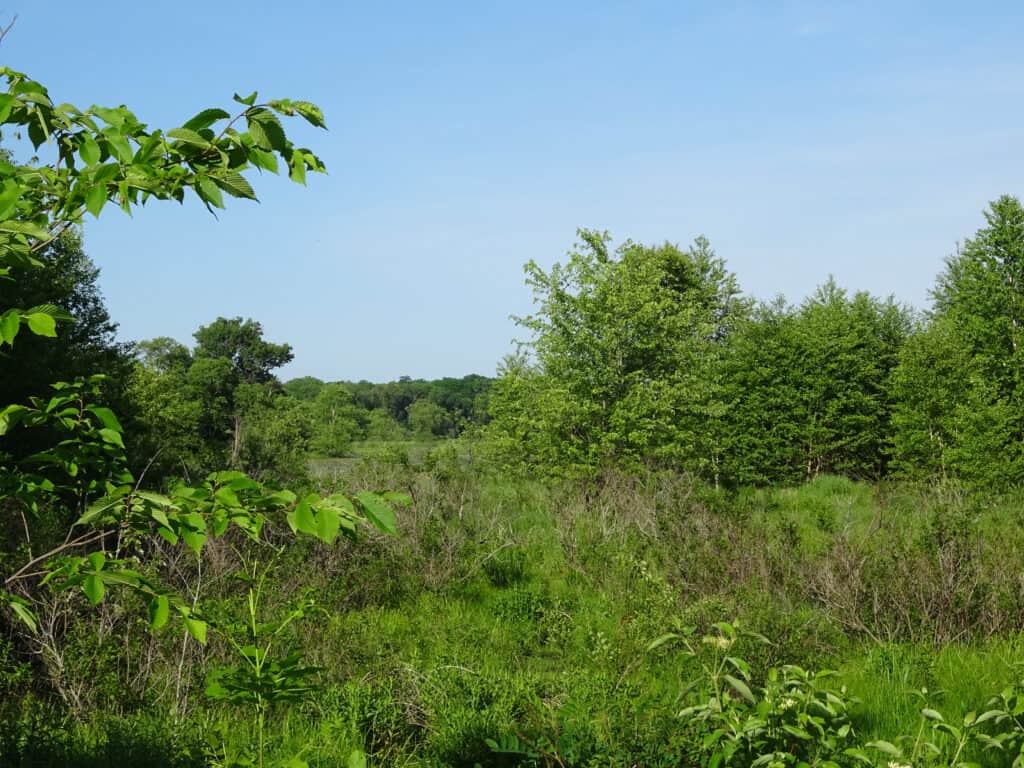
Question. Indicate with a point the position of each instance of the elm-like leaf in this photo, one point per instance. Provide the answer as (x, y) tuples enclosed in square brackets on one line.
[(41, 324), (206, 118), (188, 136), (10, 324), (209, 192), (236, 185)]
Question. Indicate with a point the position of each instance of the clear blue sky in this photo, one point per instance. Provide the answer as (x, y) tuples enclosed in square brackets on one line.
[(861, 139)]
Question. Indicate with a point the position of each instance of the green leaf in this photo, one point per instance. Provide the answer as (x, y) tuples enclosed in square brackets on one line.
[(741, 688), (24, 228), (662, 640), (10, 324), (248, 100), (26, 615), (931, 714), (263, 159), (799, 733), (357, 759), (886, 747), (111, 436), (188, 136), (297, 164), (194, 540), (159, 611), (205, 119), (378, 512), (89, 150), (311, 112), (209, 192), (6, 103), (120, 148), (328, 523), (236, 185), (109, 420), (266, 130), (97, 560), (95, 199), (301, 518), (41, 324), (196, 628), (9, 197), (93, 588)]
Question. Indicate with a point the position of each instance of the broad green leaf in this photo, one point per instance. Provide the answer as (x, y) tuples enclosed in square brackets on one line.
[(9, 197), (24, 228), (378, 512), (120, 148), (196, 628), (209, 192), (263, 159), (328, 522), (89, 150), (112, 436), (236, 185), (109, 420), (266, 130), (311, 112), (95, 199), (932, 714), (205, 119), (10, 324), (41, 324), (194, 540), (741, 688), (159, 611), (93, 588), (248, 100), (6, 103), (188, 136), (97, 560), (301, 518)]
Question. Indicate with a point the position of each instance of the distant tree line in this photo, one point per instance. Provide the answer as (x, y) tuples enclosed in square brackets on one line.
[(649, 356), (638, 357)]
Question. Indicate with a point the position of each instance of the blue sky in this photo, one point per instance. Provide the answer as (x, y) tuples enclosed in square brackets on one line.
[(860, 139)]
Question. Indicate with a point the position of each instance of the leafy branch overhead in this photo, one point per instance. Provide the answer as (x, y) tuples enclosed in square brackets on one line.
[(105, 154)]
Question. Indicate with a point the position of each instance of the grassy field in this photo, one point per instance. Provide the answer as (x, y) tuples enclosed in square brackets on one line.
[(510, 622)]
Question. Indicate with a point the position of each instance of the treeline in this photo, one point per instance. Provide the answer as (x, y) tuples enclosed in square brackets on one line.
[(651, 356), (642, 357), (219, 403)]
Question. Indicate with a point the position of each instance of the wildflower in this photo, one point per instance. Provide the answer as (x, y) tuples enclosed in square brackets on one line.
[(719, 642)]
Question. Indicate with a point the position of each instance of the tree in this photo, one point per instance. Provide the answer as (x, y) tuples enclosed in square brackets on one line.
[(809, 387), (240, 356), (428, 419), (99, 155), (336, 420), (65, 278), (627, 348), (961, 383)]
